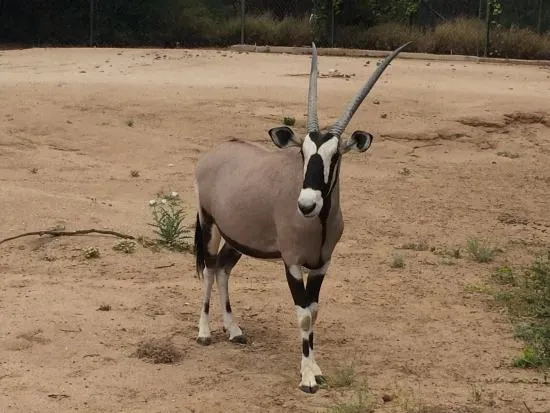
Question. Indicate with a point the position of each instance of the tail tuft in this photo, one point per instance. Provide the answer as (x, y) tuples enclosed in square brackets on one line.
[(199, 248)]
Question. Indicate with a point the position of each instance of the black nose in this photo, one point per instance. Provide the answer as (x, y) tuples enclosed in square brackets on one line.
[(306, 209)]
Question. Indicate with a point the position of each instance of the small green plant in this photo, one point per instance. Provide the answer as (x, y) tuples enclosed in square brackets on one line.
[(528, 359), (526, 296), (130, 123), (481, 252), (134, 174), (168, 216), (343, 377), (361, 403), (504, 275), (289, 121), (91, 252), (398, 261), (126, 246)]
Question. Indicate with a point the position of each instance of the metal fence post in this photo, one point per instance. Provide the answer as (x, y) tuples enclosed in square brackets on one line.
[(242, 20), (332, 25), (91, 23), (487, 29)]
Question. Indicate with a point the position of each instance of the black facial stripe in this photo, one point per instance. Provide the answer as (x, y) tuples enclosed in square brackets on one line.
[(334, 170), (314, 177)]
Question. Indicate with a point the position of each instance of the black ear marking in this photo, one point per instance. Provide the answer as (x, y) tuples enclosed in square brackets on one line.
[(283, 137), (362, 140), (359, 141)]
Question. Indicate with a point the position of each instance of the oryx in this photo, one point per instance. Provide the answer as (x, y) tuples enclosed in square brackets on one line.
[(282, 205)]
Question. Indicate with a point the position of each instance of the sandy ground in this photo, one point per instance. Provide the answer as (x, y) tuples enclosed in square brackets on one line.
[(442, 169)]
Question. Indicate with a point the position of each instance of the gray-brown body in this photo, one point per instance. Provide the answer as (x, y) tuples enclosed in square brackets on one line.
[(251, 193)]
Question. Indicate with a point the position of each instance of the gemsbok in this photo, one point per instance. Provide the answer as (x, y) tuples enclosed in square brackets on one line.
[(277, 205)]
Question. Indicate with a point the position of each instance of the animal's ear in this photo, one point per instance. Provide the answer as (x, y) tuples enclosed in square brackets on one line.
[(359, 141), (284, 137)]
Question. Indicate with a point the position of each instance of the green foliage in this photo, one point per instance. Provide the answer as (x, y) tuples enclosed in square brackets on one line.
[(526, 296), (371, 24), (481, 252), (168, 216)]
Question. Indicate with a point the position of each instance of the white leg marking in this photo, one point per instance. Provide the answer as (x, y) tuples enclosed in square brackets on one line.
[(204, 325), (309, 368), (234, 330)]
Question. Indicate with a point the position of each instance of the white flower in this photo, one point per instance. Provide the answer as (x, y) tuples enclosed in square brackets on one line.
[(152, 202), (174, 194)]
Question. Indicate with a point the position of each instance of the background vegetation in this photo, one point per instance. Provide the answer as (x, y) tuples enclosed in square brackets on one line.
[(519, 28)]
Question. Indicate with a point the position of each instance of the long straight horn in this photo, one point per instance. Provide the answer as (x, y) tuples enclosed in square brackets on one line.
[(312, 121), (341, 124)]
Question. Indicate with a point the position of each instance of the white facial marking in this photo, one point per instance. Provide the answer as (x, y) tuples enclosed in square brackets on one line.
[(327, 150), (308, 148), (309, 197)]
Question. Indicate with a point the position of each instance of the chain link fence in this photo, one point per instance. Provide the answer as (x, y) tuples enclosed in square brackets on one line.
[(500, 28), (478, 27)]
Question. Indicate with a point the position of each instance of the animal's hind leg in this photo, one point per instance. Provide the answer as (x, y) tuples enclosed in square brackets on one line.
[(211, 243), (227, 259)]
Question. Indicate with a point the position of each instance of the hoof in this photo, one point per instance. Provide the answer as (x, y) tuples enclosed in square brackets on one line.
[(204, 341), (321, 380), (238, 339), (309, 389)]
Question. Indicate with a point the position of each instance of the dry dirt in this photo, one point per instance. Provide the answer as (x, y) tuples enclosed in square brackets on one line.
[(457, 154)]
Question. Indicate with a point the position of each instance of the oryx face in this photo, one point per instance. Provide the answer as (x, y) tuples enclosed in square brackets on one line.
[(321, 154), (322, 151)]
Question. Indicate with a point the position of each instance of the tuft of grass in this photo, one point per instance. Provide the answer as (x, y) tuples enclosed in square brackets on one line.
[(481, 252), (343, 377), (289, 121), (398, 261), (130, 123), (158, 351), (421, 245), (526, 296), (168, 216), (405, 172), (34, 170), (134, 173), (91, 253), (126, 246), (104, 307), (361, 403), (506, 154)]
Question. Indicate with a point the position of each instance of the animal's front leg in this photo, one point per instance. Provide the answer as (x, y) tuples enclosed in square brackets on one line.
[(309, 368), (313, 287)]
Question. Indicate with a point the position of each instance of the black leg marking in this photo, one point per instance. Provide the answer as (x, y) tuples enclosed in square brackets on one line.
[(297, 289), (305, 347), (228, 257), (313, 288), (206, 308), (311, 340)]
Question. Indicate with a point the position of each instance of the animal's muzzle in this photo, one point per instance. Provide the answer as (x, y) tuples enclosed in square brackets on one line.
[(310, 202)]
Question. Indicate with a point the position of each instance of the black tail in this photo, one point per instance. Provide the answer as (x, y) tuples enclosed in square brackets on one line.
[(199, 248)]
